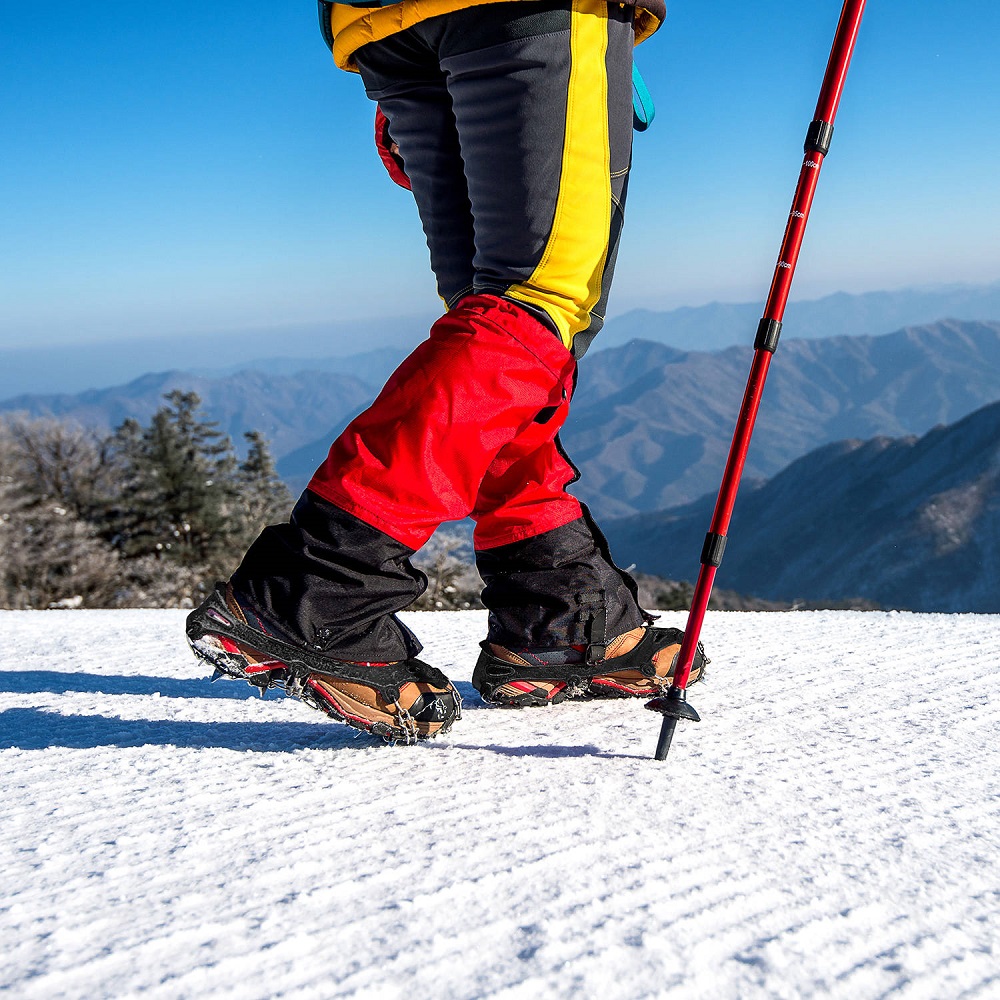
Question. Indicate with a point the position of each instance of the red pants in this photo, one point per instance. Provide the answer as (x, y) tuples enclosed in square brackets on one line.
[(465, 426)]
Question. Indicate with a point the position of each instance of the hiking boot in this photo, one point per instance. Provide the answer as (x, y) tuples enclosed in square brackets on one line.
[(402, 702), (636, 664)]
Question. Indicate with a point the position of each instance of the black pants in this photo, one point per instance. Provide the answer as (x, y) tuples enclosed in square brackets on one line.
[(514, 122)]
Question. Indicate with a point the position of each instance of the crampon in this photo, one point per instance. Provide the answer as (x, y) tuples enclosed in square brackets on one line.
[(401, 702)]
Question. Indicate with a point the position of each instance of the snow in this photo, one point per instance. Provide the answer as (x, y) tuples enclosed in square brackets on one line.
[(831, 828)]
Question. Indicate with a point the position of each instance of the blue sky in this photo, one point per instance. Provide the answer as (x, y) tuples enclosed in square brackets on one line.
[(191, 167)]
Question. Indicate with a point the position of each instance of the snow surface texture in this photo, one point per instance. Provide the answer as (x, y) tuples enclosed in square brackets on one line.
[(831, 827)]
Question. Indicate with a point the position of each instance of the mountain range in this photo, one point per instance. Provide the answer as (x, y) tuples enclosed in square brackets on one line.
[(287, 409), (720, 324), (72, 368), (651, 424), (909, 523)]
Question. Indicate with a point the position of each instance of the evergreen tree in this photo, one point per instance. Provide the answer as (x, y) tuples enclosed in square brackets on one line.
[(453, 584), (180, 498), (264, 498)]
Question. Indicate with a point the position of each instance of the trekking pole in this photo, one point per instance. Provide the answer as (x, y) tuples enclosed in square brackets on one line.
[(673, 705)]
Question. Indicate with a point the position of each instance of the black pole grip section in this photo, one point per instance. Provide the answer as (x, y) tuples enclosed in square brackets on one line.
[(715, 546), (768, 332), (818, 137)]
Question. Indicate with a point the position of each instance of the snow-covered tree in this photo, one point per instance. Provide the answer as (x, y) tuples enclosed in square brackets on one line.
[(264, 498), (180, 498), (52, 556)]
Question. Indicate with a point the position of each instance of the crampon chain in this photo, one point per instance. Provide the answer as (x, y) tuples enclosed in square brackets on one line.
[(293, 681)]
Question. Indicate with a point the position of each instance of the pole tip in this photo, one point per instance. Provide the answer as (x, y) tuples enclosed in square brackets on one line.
[(666, 738)]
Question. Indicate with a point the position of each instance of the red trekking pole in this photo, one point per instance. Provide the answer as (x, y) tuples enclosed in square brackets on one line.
[(673, 705)]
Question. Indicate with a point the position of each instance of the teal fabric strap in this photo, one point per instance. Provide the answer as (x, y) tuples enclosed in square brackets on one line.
[(643, 111)]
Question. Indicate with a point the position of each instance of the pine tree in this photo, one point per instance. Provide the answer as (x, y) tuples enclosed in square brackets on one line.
[(180, 499), (264, 498), (453, 583)]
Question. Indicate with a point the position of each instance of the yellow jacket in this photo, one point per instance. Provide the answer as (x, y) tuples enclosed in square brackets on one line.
[(347, 28)]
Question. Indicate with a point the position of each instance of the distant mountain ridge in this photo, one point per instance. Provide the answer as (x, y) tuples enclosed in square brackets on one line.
[(71, 368), (651, 424), (720, 324), (908, 523), (286, 409)]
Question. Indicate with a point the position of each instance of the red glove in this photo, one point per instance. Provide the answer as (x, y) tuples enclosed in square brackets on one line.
[(388, 150)]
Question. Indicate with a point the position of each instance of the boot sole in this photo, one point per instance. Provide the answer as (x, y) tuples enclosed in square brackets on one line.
[(527, 699), (491, 674), (233, 666), (322, 700), (610, 690)]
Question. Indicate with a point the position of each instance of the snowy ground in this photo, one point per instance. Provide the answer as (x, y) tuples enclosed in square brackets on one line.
[(832, 827)]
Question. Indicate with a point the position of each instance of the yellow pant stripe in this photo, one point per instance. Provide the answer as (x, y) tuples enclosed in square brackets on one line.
[(567, 281)]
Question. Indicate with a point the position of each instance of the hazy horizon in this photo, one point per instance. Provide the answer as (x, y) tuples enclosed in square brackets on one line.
[(385, 323), (73, 367)]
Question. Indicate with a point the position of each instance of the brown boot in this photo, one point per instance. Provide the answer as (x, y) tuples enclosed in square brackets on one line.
[(633, 678), (401, 702), (636, 664)]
